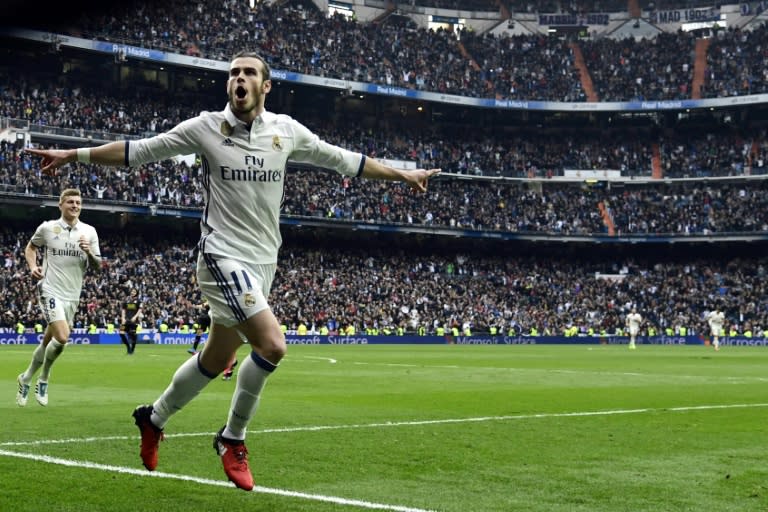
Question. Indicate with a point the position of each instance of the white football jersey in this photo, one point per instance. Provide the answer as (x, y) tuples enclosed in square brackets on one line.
[(244, 175), (716, 319), (634, 320), (64, 263)]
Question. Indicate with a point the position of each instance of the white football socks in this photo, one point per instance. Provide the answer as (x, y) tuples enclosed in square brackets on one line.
[(38, 356), (251, 379), (52, 352), (186, 384)]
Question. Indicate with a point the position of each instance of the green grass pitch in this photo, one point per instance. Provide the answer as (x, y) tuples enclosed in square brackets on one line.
[(404, 428)]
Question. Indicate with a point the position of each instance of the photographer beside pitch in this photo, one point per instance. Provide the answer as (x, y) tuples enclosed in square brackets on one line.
[(244, 151)]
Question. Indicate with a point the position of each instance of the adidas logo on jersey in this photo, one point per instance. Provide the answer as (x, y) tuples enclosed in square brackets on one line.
[(227, 142)]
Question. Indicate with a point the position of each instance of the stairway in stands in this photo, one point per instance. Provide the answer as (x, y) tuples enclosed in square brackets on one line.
[(473, 63), (753, 151), (607, 219), (656, 171), (699, 68), (586, 78)]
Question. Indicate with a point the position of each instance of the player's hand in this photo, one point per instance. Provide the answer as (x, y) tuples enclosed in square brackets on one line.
[(419, 179), (37, 273), (85, 245), (53, 158)]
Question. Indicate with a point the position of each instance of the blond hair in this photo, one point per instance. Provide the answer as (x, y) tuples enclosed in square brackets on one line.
[(67, 193)]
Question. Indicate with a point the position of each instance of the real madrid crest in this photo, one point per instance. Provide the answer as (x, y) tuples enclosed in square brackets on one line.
[(226, 129), (276, 144), (56, 230), (249, 300)]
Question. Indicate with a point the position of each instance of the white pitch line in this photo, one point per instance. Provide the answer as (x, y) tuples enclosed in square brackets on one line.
[(447, 421), (329, 359), (412, 365), (708, 378), (738, 379), (206, 481)]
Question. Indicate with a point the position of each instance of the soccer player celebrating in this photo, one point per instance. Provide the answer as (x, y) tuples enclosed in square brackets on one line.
[(244, 150), (70, 247)]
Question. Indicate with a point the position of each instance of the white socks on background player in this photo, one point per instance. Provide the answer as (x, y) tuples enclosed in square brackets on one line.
[(43, 356)]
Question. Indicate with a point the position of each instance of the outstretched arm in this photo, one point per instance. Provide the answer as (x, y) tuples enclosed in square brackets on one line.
[(112, 153), (416, 179)]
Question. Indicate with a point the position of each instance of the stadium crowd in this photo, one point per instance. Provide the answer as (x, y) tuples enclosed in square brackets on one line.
[(524, 67), (548, 207), (387, 289), (682, 209), (469, 150), (90, 110), (657, 69), (430, 290), (737, 63)]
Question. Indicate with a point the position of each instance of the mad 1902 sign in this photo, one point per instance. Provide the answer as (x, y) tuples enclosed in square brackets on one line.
[(685, 15)]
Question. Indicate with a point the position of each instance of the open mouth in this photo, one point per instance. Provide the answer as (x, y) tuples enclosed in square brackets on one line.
[(240, 92)]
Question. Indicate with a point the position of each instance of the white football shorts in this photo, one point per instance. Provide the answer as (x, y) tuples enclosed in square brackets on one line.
[(235, 290), (55, 309)]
